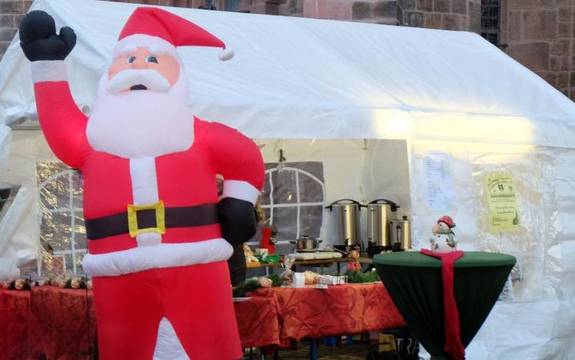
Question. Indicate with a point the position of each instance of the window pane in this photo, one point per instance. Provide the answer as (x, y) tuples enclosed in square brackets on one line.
[(77, 190), (284, 187), (79, 232), (490, 20), (53, 266), (69, 264), (79, 258), (55, 230), (310, 220), (309, 189), (285, 222), (55, 194), (265, 196)]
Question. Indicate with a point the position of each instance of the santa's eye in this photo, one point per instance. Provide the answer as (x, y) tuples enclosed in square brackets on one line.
[(151, 59), (131, 59)]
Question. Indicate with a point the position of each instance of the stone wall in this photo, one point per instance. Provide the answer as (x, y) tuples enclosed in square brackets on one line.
[(10, 15), (539, 34), (371, 11), (441, 14)]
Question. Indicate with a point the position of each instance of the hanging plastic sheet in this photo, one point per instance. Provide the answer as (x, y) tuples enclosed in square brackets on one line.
[(532, 319)]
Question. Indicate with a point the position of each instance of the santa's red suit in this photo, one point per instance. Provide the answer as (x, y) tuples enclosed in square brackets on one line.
[(156, 253)]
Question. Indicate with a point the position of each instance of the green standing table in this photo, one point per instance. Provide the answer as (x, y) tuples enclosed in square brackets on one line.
[(415, 284)]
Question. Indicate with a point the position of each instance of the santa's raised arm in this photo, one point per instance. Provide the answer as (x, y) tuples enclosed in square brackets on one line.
[(158, 235), (64, 125)]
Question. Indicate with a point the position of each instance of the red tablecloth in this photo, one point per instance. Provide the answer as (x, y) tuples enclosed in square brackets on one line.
[(67, 320), (18, 330), (258, 321), (342, 309), (60, 323)]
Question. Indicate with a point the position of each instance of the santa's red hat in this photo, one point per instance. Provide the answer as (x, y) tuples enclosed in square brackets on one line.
[(447, 220), (161, 30)]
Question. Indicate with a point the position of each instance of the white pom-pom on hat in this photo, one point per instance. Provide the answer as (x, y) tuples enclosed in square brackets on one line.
[(226, 54)]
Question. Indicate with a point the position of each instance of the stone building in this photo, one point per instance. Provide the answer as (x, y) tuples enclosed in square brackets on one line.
[(537, 33)]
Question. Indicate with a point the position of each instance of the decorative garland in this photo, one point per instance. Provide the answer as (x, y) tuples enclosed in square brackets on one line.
[(252, 284), (358, 277), (27, 284)]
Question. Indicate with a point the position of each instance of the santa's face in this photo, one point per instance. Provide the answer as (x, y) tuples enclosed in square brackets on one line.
[(141, 109), (166, 67)]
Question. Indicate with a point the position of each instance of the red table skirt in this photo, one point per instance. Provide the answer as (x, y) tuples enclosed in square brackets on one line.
[(60, 323), (343, 309), (19, 332)]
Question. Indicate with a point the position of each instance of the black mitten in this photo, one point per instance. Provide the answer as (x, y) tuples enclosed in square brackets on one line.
[(39, 40), (237, 220)]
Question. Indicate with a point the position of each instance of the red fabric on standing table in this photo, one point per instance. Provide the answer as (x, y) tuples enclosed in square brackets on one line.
[(453, 345)]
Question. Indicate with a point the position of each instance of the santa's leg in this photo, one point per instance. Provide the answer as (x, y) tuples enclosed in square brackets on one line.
[(198, 303), (128, 312)]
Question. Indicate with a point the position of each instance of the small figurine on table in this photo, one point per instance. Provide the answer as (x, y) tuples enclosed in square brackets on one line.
[(443, 239), (353, 264)]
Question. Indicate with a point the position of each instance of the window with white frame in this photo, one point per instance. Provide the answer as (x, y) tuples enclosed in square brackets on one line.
[(293, 199), (62, 229)]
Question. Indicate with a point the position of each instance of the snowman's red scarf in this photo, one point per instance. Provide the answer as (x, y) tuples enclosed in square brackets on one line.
[(453, 345)]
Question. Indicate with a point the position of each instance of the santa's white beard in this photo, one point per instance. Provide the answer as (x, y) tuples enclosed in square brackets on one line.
[(141, 123)]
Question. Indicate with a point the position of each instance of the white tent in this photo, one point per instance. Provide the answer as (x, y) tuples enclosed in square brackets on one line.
[(421, 116)]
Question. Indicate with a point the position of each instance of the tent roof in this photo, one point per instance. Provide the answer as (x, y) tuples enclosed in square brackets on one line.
[(307, 78)]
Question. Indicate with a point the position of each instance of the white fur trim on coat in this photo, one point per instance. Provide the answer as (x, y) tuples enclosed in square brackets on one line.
[(154, 257), (48, 70), (144, 192), (242, 190)]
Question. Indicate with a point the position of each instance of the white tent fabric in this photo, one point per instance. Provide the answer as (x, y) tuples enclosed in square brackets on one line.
[(448, 93), (325, 79)]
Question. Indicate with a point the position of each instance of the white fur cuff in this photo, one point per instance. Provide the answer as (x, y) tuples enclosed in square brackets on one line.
[(242, 190), (48, 70), (156, 257)]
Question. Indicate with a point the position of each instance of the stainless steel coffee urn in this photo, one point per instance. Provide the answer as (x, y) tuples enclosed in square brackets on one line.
[(346, 214), (379, 214), (400, 234)]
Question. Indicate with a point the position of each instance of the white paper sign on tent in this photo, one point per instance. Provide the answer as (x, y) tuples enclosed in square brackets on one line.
[(438, 181)]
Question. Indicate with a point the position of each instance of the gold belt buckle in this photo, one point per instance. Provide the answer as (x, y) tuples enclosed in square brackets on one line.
[(160, 211)]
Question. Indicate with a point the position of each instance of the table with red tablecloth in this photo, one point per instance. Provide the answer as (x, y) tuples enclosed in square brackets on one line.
[(313, 312), (60, 323)]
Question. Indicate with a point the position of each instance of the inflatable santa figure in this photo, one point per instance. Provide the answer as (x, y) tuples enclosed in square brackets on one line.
[(158, 238)]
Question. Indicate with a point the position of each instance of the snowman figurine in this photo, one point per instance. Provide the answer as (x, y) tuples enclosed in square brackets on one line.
[(443, 239)]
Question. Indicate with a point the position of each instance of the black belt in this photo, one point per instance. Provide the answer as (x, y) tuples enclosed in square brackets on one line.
[(187, 216)]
